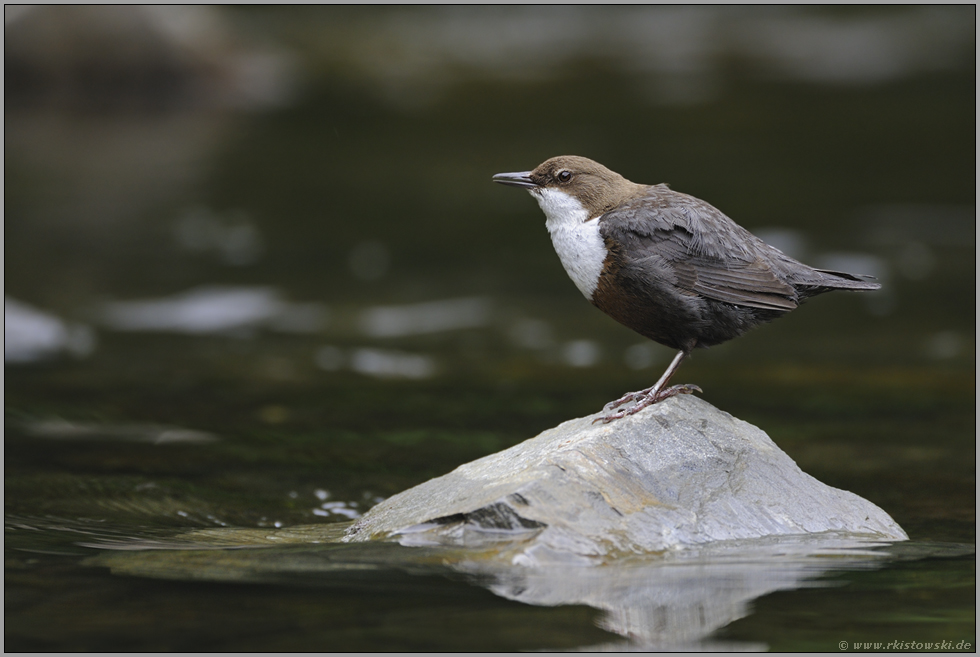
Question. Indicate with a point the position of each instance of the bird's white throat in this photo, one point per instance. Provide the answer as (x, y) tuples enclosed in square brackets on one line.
[(575, 237)]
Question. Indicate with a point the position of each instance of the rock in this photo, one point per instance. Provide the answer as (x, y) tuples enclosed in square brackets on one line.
[(679, 473)]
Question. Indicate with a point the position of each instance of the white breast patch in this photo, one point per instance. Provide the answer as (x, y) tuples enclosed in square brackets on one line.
[(575, 237)]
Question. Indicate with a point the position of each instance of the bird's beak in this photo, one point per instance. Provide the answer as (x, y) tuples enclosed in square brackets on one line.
[(520, 179)]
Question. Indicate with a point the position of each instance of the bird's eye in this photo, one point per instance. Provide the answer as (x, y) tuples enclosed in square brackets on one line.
[(564, 176)]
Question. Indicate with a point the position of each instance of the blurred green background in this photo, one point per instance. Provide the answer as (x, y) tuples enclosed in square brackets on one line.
[(256, 273)]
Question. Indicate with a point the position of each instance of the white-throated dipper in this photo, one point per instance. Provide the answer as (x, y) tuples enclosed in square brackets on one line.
[(667, 265)]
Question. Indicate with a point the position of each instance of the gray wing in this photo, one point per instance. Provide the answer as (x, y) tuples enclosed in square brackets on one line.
[(705, 252)]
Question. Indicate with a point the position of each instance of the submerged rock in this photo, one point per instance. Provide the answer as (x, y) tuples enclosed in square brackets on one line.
[(679, 473)]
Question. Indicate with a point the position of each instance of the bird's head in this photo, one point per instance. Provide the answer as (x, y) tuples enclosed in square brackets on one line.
[(569, 183)]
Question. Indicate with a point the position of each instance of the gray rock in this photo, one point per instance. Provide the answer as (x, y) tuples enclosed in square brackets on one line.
[(677, 474)]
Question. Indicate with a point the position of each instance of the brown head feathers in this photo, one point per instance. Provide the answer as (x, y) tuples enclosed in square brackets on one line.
[(597, 188)]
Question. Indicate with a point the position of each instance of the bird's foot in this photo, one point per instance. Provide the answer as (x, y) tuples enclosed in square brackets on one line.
[(644, 398), (628, 397)]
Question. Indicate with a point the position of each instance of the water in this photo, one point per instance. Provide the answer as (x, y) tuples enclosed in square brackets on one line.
[(268, 311)]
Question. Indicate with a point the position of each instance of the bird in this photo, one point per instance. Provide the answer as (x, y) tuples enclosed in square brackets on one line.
[(665, 264)]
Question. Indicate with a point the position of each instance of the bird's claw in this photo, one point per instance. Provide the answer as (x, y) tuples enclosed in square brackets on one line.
[(682, 389), (628, 397), (643, 399)]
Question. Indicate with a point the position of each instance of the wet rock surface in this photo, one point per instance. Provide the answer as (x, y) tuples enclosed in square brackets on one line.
[(677, 474)]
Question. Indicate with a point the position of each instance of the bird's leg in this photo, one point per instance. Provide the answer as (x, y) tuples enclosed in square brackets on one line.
[(631, 396), (653, 394)]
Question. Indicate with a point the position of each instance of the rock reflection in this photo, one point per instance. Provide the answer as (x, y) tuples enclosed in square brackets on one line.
[(675, 600)]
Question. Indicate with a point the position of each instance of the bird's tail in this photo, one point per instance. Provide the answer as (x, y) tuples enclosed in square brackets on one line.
[(839, 280)]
